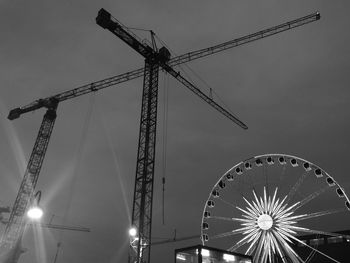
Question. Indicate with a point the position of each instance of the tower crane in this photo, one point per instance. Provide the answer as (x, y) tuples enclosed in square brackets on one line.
[(143, 193), (139, 251)]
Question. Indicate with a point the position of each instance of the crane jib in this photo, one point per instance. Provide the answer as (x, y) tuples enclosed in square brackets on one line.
[(111, 81)]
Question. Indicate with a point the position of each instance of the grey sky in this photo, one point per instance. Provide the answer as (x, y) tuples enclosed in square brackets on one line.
[(290, 89)]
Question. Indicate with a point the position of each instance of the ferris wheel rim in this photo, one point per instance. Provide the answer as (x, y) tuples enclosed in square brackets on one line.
[(248, 161)]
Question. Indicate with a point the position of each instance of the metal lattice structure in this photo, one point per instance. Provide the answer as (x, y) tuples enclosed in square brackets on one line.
[(143, 193), (15, 225)]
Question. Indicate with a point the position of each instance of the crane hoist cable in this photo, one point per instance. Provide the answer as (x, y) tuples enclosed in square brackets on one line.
[(78, 158), (210, 91), (115, 157), (57, 251), (165, 139)]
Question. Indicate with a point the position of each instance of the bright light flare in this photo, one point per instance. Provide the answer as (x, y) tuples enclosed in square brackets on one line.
[(205, 253), (133, 231), (181, 257), (229, 258), (35, 213)]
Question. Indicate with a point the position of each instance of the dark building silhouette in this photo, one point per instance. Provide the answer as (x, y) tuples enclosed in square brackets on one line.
[(336, 247), (205, 254)]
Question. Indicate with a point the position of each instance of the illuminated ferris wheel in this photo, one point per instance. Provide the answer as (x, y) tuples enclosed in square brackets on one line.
[(264, 205)]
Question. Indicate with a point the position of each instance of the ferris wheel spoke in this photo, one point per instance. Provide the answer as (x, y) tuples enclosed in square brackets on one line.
[(317, 214), (229, 219), (277, 206), (311, 197), (316, 250), (283, 174), (270, 244), (266, 178), (247, 214), (258, 204), (226, 202), (273, 199), (311, 255), (292, 254), (296, 186), (241, 220), (257, 252), (313, 231), (235, 247), (262, 250), (229, 233), (253, 207), (242, 184), (265, 203), (276, 245), (285, 234), (284, 212), (254, 240), (288, 251), (251, 236)]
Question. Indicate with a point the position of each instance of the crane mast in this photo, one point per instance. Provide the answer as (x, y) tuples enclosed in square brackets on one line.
[(143, 192), (143, 189)]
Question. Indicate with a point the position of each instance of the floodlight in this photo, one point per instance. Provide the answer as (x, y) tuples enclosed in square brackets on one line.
[(35, 213), (133, 231)]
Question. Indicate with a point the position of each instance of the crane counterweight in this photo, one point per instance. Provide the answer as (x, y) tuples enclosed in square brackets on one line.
[(103, 19), (163, 55), (14, 114)]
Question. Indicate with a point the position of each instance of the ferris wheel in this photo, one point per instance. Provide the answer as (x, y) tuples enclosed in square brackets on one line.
[(263, 206)]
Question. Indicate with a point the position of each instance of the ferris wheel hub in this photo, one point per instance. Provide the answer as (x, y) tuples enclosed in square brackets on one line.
[(265, 221)]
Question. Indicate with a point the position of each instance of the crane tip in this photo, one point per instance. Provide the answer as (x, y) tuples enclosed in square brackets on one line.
[(14, 114), (318, 16)]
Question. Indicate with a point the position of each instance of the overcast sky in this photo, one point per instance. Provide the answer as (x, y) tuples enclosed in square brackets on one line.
[(292, 90)]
